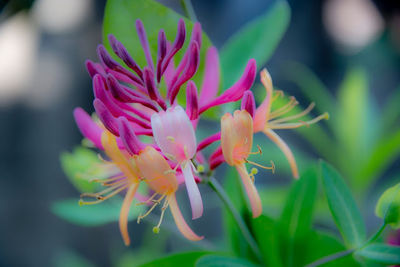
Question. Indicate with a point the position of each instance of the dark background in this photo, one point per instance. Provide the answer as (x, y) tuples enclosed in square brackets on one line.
[(37, 124)]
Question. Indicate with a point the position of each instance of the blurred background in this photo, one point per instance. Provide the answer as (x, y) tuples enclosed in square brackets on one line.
[(43, 46)]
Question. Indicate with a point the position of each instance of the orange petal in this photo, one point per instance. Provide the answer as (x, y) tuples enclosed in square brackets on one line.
[(180, 221), (123, 216), (255, 201), (285, 149), (111, 148), (263, 111)]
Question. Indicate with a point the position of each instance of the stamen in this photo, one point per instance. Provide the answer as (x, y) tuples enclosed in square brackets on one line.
[(299, 124), (272, 168), (257, 152), (101, 198), (105, 191), (156, 229), (299, 115), (148, 200), (285, 109), (106, 180), (278, 93), (156, 202), (173, 170)]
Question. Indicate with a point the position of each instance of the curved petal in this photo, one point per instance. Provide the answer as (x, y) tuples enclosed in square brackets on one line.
[(180, 221), (88, 127), (209, 88), (285, 149), (123, 216), (193, 191), (255, 201)]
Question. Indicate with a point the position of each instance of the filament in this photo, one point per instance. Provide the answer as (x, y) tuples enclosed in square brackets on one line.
[(298, 124), (259, 151), (278, 93), (272, 167), (148, 200), (156, 202), (284, 109), (101, 198), (299, 115), (164, 207)]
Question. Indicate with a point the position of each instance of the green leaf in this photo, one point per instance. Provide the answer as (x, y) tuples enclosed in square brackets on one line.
[(391, 112), (222, 261), (92, 215), (297, 214), (80, 166), (384, 154), (343, 207), (353, 122), (119, 20), (257, 39), (268, 239), (319, 245), (381, 253), (296, 219), (186, 258), (388, 207)]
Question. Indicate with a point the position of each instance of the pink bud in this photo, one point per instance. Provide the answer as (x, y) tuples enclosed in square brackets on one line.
[(192, 103), (131, 143), (106, 117), (145, 43), (248, 103)]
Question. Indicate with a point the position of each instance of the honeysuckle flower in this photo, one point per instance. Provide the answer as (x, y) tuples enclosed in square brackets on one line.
[(125, 176), (128, 103), (267, 119), (159, 176), (236, 145), (174, 134)]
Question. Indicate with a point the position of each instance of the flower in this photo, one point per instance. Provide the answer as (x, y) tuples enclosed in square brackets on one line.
[(267, 119), (125, 177), (159, 176), (236, 144), (174, 134), (129, 104)]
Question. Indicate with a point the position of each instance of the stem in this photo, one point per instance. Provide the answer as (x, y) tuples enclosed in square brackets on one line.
[(188, 9), (329, 258), (347, 252), (236, 216), (375, 236)]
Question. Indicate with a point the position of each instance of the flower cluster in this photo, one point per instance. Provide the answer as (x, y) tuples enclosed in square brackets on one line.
[(130, 103)]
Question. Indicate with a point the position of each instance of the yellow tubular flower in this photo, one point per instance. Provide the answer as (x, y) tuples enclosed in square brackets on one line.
[(267, 120), (159, 176)]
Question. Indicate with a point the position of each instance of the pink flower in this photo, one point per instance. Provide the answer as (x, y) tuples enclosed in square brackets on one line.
[(267, 119), (174, 134)]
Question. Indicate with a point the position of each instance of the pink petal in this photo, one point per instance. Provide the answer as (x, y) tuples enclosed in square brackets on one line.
[(180, 221), (145, 43), (192, 103), (88, 127), (248, 103), (237, 90), (193, 191), (209, 88)]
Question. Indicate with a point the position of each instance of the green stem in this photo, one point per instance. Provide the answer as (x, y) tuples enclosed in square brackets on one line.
[(375, 236), (329, 258), (236, 216), (189, 10)]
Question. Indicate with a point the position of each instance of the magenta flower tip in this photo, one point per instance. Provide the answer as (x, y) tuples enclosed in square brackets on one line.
[(106, 117), (248, 103), (131, 143), (192, 102)]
